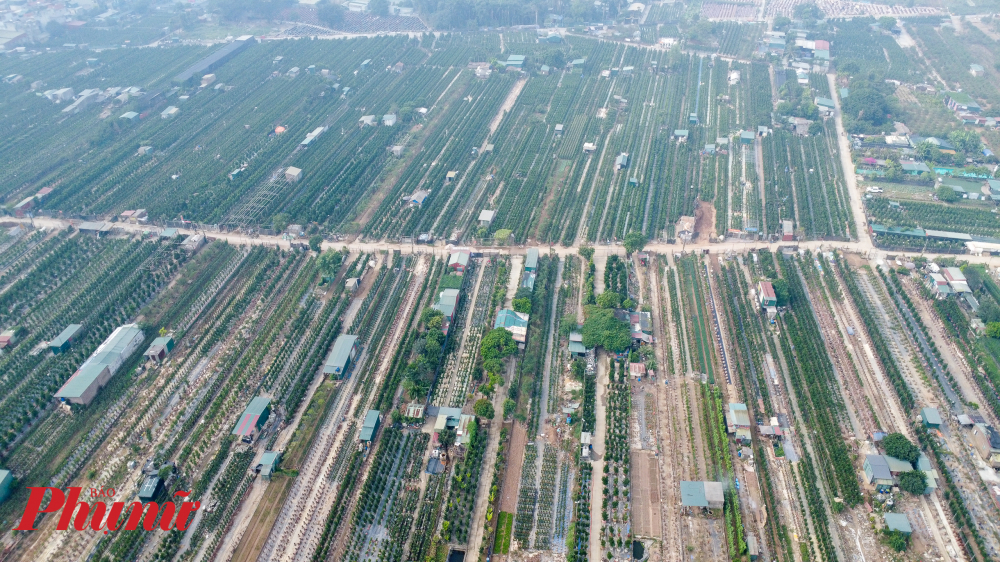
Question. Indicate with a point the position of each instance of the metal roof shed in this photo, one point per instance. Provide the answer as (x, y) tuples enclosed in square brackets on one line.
[(898, 522), (531, 259), (150, 488), (931, 417), (6, 479), (370, 427), (254, 417), (344, 350), (268, 464), (64, 340)]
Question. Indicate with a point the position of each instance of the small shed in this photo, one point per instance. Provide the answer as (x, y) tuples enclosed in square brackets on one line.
[(369, 429), (589, 147), (531, 259), (451, 176), (65, 339), (746, 137), (343, 352), (576, 347), (389, 119), (931, 416), (253, 418), (898, 522), (352, 284), (6, 480), (486, 217), (150, 489), (681, 134), (268, 464), (160, 348), (10, 337), (877, 472), (702, 494), (637, 370), (458, 261), (293, 173)]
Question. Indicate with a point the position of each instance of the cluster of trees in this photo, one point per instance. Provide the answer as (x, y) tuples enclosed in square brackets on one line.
[(870, 107), (497, 344), (798, 101), (966, 143), (429, 349), (601, 328)]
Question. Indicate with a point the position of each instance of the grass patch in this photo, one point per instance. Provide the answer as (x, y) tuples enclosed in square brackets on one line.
[(504, 525)]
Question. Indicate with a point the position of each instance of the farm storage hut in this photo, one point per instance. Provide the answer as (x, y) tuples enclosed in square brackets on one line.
[(418, 197), (343, 352), (268, 464), (24, 206), (6, 479), (746, 137), (738, 417), (681, 134), (169, 112), (787, 231), (702, 494), (447, 303), (931, 416), (10, 337), (636, 370), (253, 418), (389, 119), (193, 243), (352, 284), (589, 147), (65, 339), (576, 347), (98, 229), (877, 472), (293, 173), (765, 291), (150, 489), (458, 261), (486, 217), (370, 427), (621, 161), (531, 259), (685, 228), (160, 348), (514, 322), (898, 522), (586, 442), (130, 115), (98, 369), (451, 176)]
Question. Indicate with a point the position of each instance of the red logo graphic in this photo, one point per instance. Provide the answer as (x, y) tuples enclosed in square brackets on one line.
[(100, 516)]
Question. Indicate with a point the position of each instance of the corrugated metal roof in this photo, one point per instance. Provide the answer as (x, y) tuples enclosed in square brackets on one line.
[(65, 335), (340, 354), (109, 355), (931, 415), (879, 467), (531, 258), (248, 419), (898, 522), (693, 494)]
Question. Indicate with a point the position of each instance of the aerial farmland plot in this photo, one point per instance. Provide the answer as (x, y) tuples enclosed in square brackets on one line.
[(386, 281)]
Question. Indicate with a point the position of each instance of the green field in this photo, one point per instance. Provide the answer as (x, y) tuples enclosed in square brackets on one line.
[(504, 524)]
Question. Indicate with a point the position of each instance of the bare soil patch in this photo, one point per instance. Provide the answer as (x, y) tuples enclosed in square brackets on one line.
[(512, 475), (263, 519), (704, 222), (645, 495)]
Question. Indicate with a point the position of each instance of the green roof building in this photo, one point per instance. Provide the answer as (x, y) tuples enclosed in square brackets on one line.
[(150, 488), (931, 417), (253, 418), (268, 464), (370, 428), (95, 372), (531, 259), (65, 339), (344, 351), (6, 481), (898, 522), (160, 348)]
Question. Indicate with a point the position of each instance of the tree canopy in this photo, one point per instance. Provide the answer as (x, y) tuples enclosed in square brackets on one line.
[(946, 194), (497, 344), (602, 329), (914, 482), (867, 110), (609, 299), (897, 445), (483, 408), (522, 304), (330, 14), (781, 293), (634, 242)]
